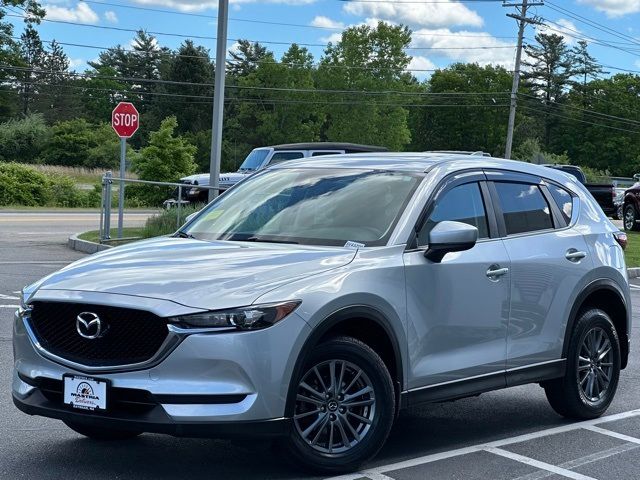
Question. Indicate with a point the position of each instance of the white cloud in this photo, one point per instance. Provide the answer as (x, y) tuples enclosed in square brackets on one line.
[(110, 16), (199, 5), (75, 63), (433, 15), (455, 45), (82, 13), (333, 38), (421, 67), (637, 63), (563, 27), (325, 22), (614, 8)]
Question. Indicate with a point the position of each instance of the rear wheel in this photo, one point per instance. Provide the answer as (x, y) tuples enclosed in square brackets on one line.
[(593, 369), (344, 407), (631, 218), (100, 433)]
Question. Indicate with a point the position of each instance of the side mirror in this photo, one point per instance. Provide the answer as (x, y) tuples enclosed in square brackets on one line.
[(447, 237)]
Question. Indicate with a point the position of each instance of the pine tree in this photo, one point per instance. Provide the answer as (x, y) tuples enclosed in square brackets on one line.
[(585, 68), (32, 58), (246, 58), (549, 70)]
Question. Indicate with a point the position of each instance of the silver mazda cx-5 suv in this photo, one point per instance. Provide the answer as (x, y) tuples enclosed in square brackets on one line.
[(315, 300)]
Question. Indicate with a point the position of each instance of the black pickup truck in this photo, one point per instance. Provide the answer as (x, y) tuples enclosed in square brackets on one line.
[(604, 193)]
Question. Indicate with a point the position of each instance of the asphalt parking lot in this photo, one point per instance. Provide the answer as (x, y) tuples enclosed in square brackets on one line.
[(511, 434)]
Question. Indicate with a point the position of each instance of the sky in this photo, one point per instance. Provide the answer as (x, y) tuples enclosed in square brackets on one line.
[(444, 31)]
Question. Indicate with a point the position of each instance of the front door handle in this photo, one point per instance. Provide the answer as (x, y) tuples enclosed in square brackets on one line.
[(496, 272), (574, 255)]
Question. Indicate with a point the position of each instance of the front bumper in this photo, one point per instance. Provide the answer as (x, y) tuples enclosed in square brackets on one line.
[(154, 420), (208, 384)]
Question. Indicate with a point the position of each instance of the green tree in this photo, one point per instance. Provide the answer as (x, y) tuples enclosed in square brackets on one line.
[(190, 73), (78, 143), (268, 117), (167, 157), (101, 93), (23, 139), (442, 124), (245, 58), (585, 66), (550, 68), (32, 59), (367, 59)]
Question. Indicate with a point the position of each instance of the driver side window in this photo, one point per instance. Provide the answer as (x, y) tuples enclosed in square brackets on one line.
[(460, 204)]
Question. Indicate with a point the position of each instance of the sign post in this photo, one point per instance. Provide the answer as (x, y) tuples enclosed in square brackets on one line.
[(125, 120)]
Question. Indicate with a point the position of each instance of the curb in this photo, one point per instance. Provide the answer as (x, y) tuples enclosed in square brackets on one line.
[(633, 272), (85, 246)]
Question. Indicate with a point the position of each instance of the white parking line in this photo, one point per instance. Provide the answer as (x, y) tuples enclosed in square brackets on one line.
[(538, 464), (487, 446), (611, 433), (634, 287), (9, 306), (38, 262), (8, 297)]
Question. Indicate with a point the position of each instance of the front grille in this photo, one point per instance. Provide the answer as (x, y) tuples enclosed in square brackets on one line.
[(130, 336)]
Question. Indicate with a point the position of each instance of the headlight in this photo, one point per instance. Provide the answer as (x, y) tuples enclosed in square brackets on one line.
[(245, 318)]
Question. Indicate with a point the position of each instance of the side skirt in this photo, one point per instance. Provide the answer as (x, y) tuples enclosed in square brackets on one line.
[(469, 387)]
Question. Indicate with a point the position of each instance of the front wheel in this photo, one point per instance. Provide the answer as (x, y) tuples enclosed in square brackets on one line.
[(344, 407), (631, 218), (593, 369)]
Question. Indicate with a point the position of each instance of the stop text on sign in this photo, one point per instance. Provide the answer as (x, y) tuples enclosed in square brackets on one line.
[(125, 119)]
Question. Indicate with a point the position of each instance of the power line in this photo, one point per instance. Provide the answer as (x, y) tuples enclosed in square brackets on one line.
[(244, 87), (537, 110), (268, 42), (266, 22)]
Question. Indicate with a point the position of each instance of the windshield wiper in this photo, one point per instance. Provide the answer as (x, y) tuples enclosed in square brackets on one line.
[(266, 240), (182, 234)]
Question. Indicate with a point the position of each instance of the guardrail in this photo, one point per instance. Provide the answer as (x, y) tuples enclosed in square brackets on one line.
[(107, 197)]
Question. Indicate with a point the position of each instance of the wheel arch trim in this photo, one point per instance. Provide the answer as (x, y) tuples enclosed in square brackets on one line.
[(335, 318), (591, 288)]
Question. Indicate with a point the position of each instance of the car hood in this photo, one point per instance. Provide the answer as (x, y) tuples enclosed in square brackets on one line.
[(194, 273)]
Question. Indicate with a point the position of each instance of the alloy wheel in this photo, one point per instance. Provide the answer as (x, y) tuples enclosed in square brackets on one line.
[(629, 219), (595, 365), (335, 406)]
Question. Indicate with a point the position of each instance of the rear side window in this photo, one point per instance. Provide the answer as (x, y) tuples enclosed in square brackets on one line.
[(460, 204), (280, 157), (564, 201), (524, 207)]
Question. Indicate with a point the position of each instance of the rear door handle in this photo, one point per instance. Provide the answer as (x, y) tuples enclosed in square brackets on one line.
[(574, 255), (496, 272)]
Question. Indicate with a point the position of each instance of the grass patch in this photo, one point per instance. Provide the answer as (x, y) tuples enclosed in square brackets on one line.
[(78, 174), (632, 253), (164, 223), (92, 236)]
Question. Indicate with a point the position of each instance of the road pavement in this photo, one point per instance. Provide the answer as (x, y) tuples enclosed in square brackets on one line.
[(510, 434)]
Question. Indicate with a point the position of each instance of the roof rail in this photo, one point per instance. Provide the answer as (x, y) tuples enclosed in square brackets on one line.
[(478, 153)]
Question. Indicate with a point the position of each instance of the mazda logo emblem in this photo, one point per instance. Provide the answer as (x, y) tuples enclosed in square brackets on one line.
[(89, 326)]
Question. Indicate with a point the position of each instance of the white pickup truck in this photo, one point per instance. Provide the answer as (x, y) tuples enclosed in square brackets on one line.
[(264, 157)]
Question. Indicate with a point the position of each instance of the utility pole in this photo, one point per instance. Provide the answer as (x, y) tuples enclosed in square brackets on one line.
[(523, 21), (218, 98)]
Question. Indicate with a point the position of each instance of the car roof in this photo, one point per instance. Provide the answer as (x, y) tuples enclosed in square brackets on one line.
[(348, 147), (420, 162)]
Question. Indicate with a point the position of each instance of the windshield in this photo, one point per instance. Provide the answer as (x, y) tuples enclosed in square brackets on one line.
[(309, 206), (254, 160)]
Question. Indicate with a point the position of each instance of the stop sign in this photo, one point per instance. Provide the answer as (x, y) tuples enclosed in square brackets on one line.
[(125, 119)]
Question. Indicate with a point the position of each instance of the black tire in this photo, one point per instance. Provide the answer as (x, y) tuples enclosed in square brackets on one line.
[(348, 356), (102, 434), (630, 220), (570, 396)]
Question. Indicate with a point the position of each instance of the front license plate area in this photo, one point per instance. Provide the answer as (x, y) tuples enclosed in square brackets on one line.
[(85, 393)]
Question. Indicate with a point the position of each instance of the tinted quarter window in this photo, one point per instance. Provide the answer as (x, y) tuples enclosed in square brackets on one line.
[(280, 157), (564, 201), (460, 204), (524, 208)]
